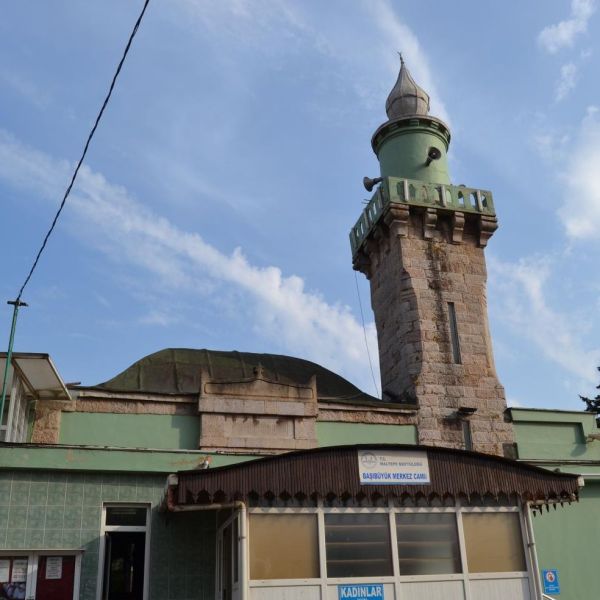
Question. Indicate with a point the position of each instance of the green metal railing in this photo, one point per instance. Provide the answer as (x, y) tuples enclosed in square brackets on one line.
[(394, 190)]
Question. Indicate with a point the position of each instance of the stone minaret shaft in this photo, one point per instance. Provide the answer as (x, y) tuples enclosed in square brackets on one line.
[(420, 242)]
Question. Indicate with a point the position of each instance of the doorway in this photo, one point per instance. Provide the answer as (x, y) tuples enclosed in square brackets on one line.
[(124, 552), (228, 560)]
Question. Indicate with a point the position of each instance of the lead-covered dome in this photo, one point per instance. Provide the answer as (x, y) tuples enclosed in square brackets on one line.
[(406, 97)]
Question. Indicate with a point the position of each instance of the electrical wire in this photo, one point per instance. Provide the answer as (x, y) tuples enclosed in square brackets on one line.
[(85, 149), (362, 318)]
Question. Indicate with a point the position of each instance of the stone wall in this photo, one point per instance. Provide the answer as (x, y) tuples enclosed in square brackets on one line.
[(419, 261)]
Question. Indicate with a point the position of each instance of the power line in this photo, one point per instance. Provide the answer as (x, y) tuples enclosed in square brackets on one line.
[(85, 149), (362, 318), (18, 303)]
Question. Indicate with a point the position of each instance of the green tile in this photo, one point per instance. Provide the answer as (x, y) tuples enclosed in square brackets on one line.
[(3, 538), (52, 538), (34, 538), (55, 517), (38, 494), (92, 494), (90, 540), (36, 517), (22, 476), (74, 494), (57, 477), (3, 517), (110, 492), (76, 478), (127, 493), (15, 539), (91, 517), (71, 538), (5, 493), (39, 476), (20, 492), (17, 517), (56, 493), (73, 516)]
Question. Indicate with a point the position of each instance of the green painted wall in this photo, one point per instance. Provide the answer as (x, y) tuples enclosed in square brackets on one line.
[(97, 459), (555, 435), (338, 434), (51, 510), (403, 153), (567, 540), (130, 431)]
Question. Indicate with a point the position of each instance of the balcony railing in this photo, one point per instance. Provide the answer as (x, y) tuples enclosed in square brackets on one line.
[(394, 190)]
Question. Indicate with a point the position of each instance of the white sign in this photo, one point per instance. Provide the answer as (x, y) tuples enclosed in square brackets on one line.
[(19, 570), (393, 467), (4, 570), (54, 567)]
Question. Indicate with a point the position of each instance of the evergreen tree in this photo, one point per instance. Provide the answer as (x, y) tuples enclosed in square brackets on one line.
[(592, 404)]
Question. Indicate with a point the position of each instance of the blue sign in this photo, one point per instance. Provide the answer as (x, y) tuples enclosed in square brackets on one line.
[(551, 583), (372, 591)]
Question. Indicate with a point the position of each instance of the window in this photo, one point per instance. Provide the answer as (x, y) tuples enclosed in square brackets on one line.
[(493, 542), (427, 543), (358, 545), (454, 340), (40, 575), (284, 546), (13, 427)]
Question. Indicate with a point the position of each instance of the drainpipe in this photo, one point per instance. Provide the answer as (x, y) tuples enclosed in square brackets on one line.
[(537, 582), (172, 506)]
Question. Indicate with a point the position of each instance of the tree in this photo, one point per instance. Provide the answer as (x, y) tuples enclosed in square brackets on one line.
[(592, 404)]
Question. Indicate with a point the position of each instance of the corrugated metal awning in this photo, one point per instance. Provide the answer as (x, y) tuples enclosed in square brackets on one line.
[(333, 472)]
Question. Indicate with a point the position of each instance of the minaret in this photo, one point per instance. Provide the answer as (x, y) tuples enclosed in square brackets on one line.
[(420, 241)]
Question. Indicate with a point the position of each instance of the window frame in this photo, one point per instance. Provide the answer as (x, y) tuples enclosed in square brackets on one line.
[(33, 563), (396, 580)]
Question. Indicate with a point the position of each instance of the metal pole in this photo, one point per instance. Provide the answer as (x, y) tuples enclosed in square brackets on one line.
[(16, 304)]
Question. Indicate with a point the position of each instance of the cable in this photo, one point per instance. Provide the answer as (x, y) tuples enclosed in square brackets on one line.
[(85, 149), (362, 318)]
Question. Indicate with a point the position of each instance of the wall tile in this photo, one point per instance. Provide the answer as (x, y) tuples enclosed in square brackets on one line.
[(34, 538), (73, 515), (15, 538), (52, 538), (36, 517), (38, 493), (17, 517), (56, 493), (55, 517), (91, 517)]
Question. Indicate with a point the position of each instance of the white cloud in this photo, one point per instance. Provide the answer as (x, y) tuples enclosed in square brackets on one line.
[(567, 81), (580, 211), (520, 300), (281, 307), (564, 33)]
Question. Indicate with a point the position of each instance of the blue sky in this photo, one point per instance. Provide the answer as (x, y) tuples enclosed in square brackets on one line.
[(216, 201)]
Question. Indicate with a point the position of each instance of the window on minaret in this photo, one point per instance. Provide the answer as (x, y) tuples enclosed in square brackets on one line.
[(454, 333)]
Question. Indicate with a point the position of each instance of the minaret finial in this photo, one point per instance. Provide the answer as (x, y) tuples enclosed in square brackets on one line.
[(406, 97)]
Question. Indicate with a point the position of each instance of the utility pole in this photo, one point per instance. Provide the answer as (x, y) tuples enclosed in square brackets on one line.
[(16, 304)]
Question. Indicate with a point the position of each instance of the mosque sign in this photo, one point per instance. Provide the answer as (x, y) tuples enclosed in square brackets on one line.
[(393, 467)]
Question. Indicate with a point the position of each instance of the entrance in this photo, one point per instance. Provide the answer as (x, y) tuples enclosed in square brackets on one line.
[(228, 560), (124, 566), (124, 553)]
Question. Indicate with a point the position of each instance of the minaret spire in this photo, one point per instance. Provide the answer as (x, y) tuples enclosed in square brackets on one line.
[(406, 97)]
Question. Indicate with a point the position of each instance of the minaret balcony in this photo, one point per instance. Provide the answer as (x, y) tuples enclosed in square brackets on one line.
[(442, 198)]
